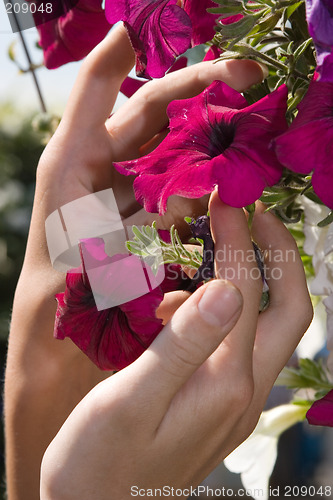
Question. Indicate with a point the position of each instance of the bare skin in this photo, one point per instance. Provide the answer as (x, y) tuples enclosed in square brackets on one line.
[(45, 378), (197, 392)]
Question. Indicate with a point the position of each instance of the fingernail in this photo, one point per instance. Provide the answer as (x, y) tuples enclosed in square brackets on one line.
[(264, 69), (220, 302)]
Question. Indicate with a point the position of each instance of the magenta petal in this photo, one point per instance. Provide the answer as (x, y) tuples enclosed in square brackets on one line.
[(316, 104), (203, 22), (308, 144), (180, 63), (325, 67), (159, 31), (112, 338), (212, 53), (273, 107), (231, 19), (238, 180), (319, 15), (210, 143), (290, 150), (153, 191), (217, 93), (172, 32), (220, 94), (174, 277), (130, 86), (322, 182), (65, 39), (321, 412)]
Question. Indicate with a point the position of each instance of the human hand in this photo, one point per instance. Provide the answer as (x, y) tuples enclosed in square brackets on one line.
[(77, 162), (78, 159), (197, 392)]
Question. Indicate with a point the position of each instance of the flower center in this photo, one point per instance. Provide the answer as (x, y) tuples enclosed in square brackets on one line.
[(221, 137)]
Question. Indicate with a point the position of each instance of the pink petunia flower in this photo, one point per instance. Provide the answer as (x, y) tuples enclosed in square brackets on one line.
[(215, 139), (203, 22), (321, 412), (308, 144), (73, 35), (161, 30), (114, 337)]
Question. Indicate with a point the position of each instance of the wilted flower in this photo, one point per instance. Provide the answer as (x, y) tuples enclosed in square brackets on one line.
[(161, 30), (114, 337), (319, 15), (200, 228), (308, 144), (255, 458), (321, 412), (214, 139), (73, 35)]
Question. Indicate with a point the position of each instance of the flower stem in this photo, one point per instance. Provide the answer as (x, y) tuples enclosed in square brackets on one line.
[(271, 61)]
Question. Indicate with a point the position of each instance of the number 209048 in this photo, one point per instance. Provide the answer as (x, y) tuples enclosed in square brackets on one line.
[(31, 7)]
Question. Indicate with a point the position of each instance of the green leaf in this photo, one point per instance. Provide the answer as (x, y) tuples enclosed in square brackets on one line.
[(302, 48), (273, 198), (141, 236), (228, 3), (291, 9), (238, 29), (326, 221), (266, 25), (310, 375), (147, 244), (228, 9)]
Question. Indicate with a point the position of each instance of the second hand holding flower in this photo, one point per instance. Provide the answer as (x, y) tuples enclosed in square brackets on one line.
[(198, 390)]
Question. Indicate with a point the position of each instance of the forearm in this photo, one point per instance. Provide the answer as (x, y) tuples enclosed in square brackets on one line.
[(45, 379)]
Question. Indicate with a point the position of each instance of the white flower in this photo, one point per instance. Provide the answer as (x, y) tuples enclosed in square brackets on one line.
[(328, 302), (255, 458), (319, 244)]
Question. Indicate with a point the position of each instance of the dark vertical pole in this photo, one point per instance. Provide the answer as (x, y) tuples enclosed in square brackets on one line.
[(31, 68)]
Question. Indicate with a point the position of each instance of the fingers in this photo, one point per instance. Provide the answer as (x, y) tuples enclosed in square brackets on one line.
[(144, 115), (97, 86), (289, 314), (235, 261), (170, 304), (195, 331)]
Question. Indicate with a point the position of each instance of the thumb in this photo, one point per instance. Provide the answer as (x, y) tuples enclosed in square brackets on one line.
[(191, 336)]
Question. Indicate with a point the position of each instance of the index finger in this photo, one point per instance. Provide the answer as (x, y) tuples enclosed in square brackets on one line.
[(235, 261), (144, 114), (100, 77)]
